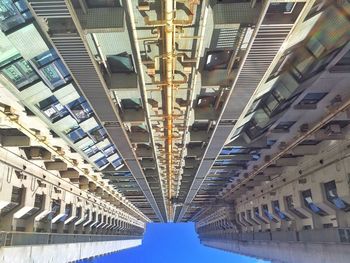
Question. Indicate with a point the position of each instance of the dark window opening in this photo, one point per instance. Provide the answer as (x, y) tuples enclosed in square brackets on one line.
[(102, 3), (121, 63), (217, 59), (290, 205), (312, 98)]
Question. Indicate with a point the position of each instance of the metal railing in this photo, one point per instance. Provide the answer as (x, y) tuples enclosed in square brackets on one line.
[(327, 235), (32, 238)]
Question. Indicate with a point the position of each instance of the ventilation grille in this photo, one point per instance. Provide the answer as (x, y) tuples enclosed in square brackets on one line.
[(52, 9)]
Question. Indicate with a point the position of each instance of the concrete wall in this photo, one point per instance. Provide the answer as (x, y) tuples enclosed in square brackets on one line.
[(285, 252), (62, 252)]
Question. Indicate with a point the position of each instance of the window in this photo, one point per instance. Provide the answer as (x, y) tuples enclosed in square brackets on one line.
[(91, 150), (312, 98), (308, 202), (131, 104), (332, 196), (108, 151), (281, 7), (76, 134), (16, 195), (55, 209), (98, 134), (276, 208), (20, 73), (53, 109), (205, 101), (266, 212), (117, 163), (78, 212), (310, 142), (13, 14), (235, 150), (121, 63), (102, 3), (290, 206), (56, 74), (80, 109), (244, 219), (39, 200), (257, 215), (45, 58), (284, 126), (217, 59), (101, 162)]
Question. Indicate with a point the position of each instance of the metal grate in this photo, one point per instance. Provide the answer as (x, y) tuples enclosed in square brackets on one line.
[(52, 9)]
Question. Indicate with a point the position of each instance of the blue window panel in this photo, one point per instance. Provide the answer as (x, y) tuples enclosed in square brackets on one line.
[(117, 163), (276, 208), (13, 15), (101, 162), (109, 150), (310, 204), (332, 196), (45, 58), (91, 150), (76, 134)]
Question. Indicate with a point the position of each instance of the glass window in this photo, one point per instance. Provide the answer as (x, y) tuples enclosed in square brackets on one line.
[(257, 214), (308, 202), (217, 59), (81, 109), (121, 63), (102, 3), (290, 205), (91, 150), (98, 134), (56, 73), (20, 73), (281, 7), (276, 208), (284, 125), (310, 142), (76, 134), (53, 109), (117, 163), (45, 58), (131, 104), (268, 215), (101, 162), (12, 15), (332, 196), (312, 98), (108, 151)]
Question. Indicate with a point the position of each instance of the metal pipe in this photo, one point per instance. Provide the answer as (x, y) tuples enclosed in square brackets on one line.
[(168, 93)]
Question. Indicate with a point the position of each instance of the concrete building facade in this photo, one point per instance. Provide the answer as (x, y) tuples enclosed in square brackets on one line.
[(233, 114)]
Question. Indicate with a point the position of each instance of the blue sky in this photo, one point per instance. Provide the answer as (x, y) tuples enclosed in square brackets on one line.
[(173, 243)]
